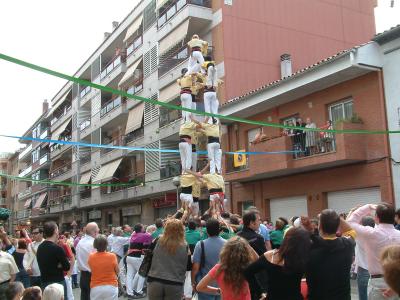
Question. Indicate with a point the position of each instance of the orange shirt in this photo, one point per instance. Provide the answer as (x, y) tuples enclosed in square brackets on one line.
[(103, 266)]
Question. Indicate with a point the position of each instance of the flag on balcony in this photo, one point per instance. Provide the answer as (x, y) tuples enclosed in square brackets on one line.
[(239, 159)]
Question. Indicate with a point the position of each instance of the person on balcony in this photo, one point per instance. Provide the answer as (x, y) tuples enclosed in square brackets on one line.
[(326, 138), (311, 138), (211, 103), (197, 48), (214, 151), (186, 132)]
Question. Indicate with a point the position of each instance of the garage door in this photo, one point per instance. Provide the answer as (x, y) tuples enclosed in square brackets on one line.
[(343, 201), (288, 207)]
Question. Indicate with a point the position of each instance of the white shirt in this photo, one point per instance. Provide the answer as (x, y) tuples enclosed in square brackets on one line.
[(118, 245), (8, 267), (110, 240), (361, 256), (83, 250), (30, 260)]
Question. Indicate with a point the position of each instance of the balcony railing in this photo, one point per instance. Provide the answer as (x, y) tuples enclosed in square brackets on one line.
[(110, 67), (24, 193), (23, 214), (109, 106), (85, 124), (85, 194), (44, 159), (137, 87), (25, 151), (168, 116), (61, 170), (170, 170), (26, 171), (45, 134), (119, 141), (135, 45), (170, 11), (85, 159), (134, 135), (55, 119), (131, 181), (55, 146), (85, 91), (172, 61), (60, 203)]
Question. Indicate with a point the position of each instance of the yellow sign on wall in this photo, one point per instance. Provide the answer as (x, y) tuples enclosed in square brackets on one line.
[(239, 159)]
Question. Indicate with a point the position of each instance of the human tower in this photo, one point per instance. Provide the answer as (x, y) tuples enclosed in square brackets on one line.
[(199, 84)]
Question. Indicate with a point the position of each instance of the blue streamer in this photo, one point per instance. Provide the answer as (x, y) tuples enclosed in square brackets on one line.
[(136, 148)]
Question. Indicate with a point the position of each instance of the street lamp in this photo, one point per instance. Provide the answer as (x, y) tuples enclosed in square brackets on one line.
[(177, 182)]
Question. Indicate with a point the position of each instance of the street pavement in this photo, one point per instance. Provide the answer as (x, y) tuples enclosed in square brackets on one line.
[(354, 293)]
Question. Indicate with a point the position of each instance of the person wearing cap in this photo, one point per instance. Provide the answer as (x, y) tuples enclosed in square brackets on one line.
[(211, 103), (196, 49)]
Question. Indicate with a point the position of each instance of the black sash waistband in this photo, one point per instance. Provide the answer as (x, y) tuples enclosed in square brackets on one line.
[(215, 191), (186, 91), (186, 190), (193, 147), (211, 89), (213, 139), (196, 49), (196, 199)]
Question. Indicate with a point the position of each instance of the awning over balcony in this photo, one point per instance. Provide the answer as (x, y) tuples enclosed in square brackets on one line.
[(85, 178), (135, 118), (40, 201), (170, 92), (174, 37), (107, 171), (130, 73), (160, 3), (56, 134), (28, 202), (132, 29), (57, 105)]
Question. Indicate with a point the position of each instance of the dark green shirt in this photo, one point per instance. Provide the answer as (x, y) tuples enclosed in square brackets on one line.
[(192, 236), (157, 233)]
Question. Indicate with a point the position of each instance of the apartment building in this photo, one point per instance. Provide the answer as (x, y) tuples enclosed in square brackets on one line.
[(337, 171), (4, 161), (144, 55), (390, 50)]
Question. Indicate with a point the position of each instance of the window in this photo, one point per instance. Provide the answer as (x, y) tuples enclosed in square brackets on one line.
[(341, 111), (251, 134), (35, 155), (246, 205)]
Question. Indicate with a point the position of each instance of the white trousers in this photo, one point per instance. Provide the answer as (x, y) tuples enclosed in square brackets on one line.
[(132, 265), (138, 283), (211, 103), (196, 59), (68, 283), (104, 292), (195, 209), (375, 287), (187, 288), (186, 102), (185, 151), (214, 156)]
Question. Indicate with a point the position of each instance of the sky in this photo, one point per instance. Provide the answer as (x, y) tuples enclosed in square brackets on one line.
[(61, 35)]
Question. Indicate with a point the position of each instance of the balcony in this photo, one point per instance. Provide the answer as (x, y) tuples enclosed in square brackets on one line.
[(60, 203), (167, 13), (134, 46), (63, 171), (114, 68), (44, 159), (25, 152), (56, 121), (170, 170), (85, 124), (133, 180), (25, 172), (110, 106), (57, 149), (86, 94), (134, 135), (174, 60), (337, 150), (39, 187), (23, 214), (25, 193), (45, 134), (85, 194)]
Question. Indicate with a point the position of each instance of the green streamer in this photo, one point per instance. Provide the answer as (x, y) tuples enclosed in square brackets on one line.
[(175, 107)]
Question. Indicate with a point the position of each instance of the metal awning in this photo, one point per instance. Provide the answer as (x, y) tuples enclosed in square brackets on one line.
[(130, 73), (174, 37), (55, 135), (85, 178), (169, 93), (135, 118), (160, 3), (107, 171), (40, 201), (132, 29), (57, 105), (27, 203)]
